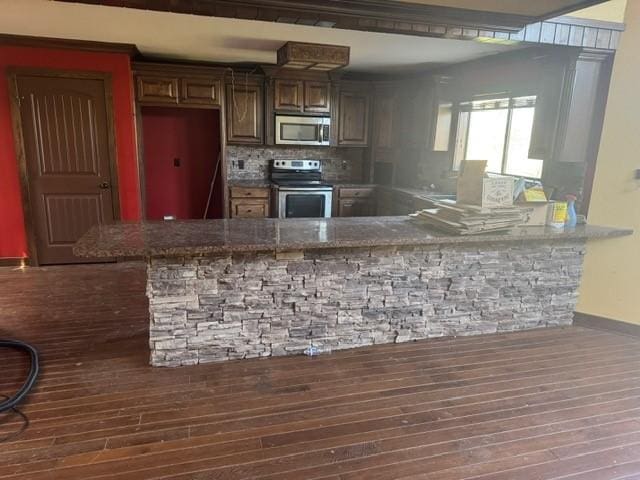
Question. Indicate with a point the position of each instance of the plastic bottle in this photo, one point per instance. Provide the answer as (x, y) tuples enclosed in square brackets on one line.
[(572, 218)]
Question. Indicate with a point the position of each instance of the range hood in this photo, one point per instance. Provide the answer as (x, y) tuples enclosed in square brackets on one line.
[(313, 56)]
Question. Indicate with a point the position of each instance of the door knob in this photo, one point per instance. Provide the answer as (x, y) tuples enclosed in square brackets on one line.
[(104, 185)]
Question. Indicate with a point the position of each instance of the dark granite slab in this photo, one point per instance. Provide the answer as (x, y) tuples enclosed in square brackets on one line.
[(196, 237)]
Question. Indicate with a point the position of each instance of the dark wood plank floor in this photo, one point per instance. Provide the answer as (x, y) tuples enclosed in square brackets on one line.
[(547, 404)]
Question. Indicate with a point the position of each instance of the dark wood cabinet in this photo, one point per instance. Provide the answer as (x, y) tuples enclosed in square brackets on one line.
[(156, 89), (356, 201), (288, 95), (384, 203), (317, 96), (245, 117), (384, 118), (353, 116), (160, 84), (295, 95), (248, 202), (200, 91)]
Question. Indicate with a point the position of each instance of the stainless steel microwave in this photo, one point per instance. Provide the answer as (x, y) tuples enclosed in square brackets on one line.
[(298, 130)]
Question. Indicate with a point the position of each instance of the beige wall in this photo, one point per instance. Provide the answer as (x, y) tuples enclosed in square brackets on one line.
[(611, 281), (611, 11)]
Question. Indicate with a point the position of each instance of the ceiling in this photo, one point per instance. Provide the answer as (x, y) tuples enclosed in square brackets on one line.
[(225, 40), (529, 8)]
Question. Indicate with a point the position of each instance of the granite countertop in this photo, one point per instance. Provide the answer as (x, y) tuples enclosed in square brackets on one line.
[(195, 237), (257, 183)]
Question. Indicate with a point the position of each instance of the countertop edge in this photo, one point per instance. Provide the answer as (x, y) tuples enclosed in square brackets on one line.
[(82, 251)]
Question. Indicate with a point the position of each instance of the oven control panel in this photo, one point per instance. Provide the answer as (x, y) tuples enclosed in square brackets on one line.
[(314, 165)]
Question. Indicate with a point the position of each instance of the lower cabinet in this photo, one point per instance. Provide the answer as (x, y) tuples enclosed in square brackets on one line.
[(356, 202), (248, 202), (385, 203)]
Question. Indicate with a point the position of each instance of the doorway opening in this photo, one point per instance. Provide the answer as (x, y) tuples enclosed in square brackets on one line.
[(181, 157)]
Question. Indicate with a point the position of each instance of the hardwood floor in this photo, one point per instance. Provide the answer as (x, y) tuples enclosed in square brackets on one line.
[(545, 404)]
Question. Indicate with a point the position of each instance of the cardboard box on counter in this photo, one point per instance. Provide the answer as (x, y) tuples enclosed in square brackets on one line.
[(474, 188), (537, 213)]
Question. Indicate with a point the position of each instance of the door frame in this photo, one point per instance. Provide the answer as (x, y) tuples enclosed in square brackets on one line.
[(140, 149), (18, 139)]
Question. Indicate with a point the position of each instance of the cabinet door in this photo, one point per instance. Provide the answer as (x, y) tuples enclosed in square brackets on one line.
[(355, 207), (383, 120), (385, 203), (200, 91), (317, 96), (353, 118), (288, 95), (153, 89), (245, 121)]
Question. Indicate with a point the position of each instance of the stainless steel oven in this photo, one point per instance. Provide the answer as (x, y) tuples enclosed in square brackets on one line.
[(301, 191), (299, 130), (304, 202)]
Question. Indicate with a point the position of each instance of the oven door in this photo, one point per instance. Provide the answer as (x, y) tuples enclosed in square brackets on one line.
[(302, 130), (304, 203)]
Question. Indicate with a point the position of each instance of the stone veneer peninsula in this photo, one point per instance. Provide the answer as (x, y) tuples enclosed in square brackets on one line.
[(242, 288)]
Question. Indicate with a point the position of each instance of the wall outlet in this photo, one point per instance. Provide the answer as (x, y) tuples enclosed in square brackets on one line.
[(176, 162)]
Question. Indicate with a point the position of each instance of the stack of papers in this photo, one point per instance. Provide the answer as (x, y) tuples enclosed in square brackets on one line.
[(458, 219)]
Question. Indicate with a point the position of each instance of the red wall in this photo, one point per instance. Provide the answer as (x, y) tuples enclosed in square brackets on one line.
[(12, 233), (193, 137)]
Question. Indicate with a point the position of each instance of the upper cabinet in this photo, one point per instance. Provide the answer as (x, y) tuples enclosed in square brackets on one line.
[(154, 89), (288, 95), (200, 91), (317, 96), (353, 115), (291, 95), (160, 84), (385, 116), (245, 113)]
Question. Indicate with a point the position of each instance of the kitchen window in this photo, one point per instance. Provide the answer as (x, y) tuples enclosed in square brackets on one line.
[(499, 131)]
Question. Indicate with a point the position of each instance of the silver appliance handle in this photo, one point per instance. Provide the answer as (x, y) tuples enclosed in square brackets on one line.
[(305, 189)]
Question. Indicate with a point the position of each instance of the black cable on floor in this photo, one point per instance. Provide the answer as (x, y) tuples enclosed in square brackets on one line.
[(25, 423), (10, 403)]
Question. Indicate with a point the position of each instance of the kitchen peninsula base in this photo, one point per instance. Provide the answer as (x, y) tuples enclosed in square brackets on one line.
[(231, 289), (214, 308)]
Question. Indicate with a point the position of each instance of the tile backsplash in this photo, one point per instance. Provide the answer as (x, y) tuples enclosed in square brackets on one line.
[(338, 164)]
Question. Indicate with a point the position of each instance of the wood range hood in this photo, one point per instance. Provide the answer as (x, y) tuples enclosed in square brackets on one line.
[(412, 17)]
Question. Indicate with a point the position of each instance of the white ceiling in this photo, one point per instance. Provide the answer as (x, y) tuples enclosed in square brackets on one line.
[(190, 37)]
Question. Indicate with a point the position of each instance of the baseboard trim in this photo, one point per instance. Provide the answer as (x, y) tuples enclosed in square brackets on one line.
[(13, 262), (607, 324)]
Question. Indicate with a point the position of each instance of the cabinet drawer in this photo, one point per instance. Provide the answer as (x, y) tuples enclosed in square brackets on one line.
[(245, 209), (248, 192), (157, 89), (200, 91), (358, 192)]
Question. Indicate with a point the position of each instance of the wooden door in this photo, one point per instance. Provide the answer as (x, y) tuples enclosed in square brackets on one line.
[(383, 119), (244, 114), (317, 96), (200, 91), (154, 89), (353, 122), (288, 95), (65, 126)]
